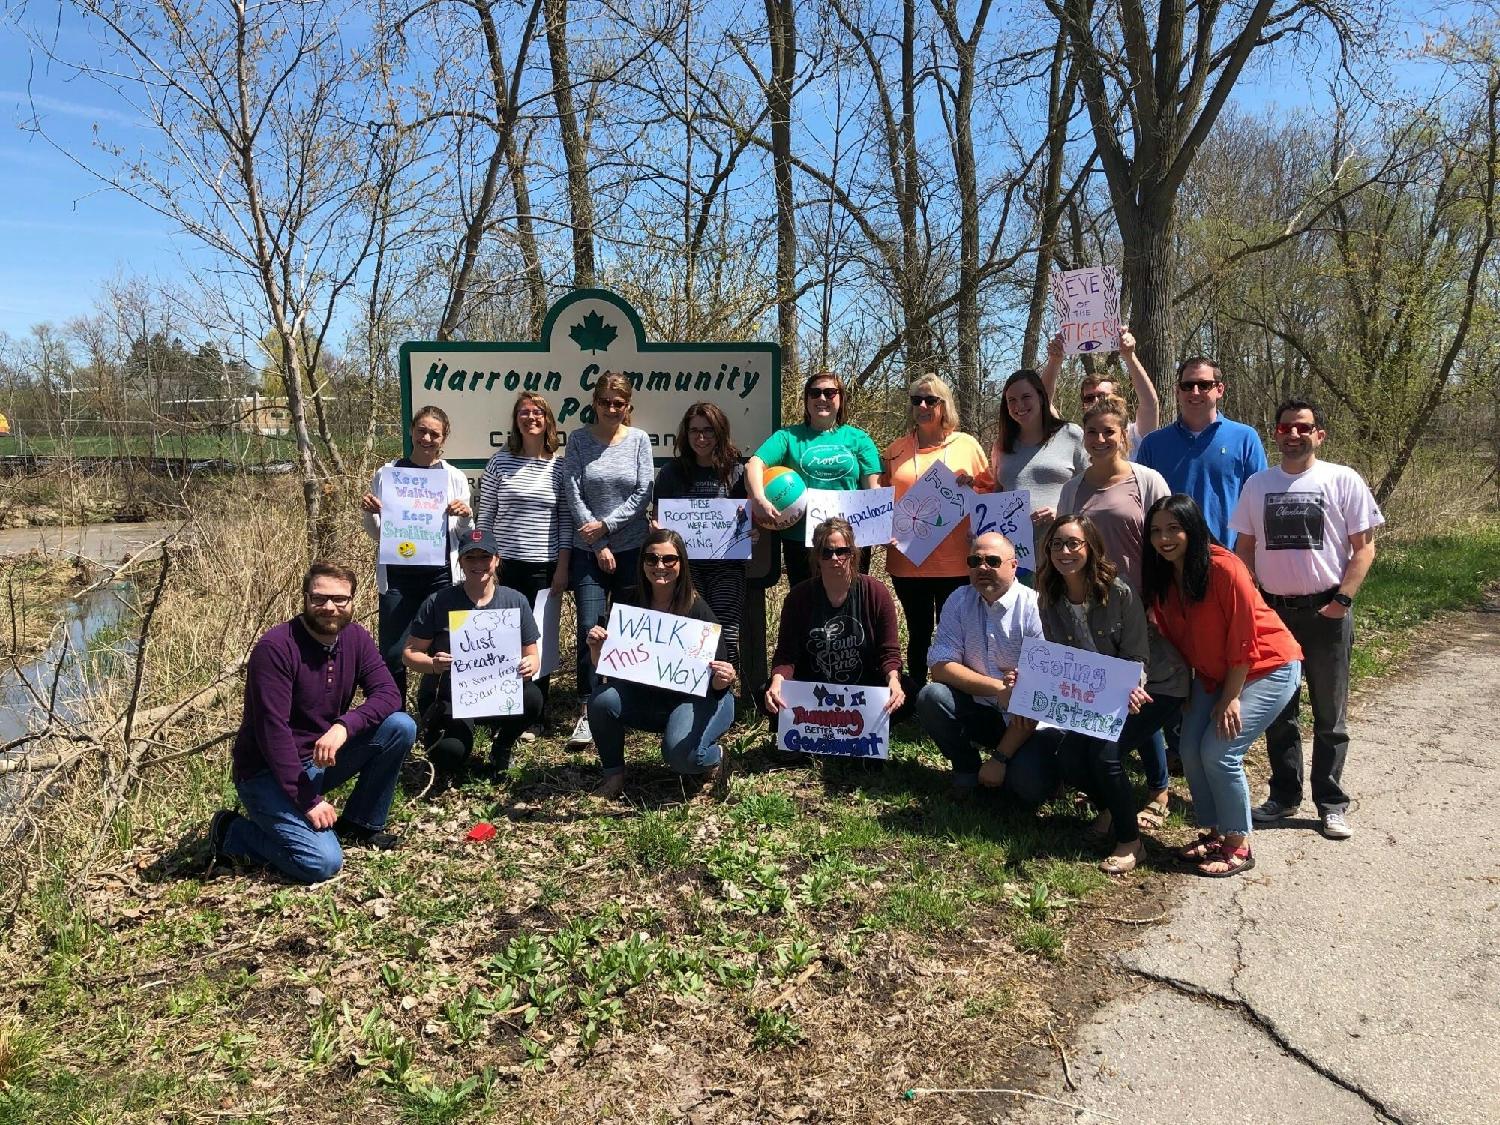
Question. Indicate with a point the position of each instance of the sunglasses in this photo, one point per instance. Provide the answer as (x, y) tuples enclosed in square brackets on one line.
[(338, 601), (665, 561), (1090, 397), (925, 400), (1204, 385), (994, 562), (611, 403), (1301, 429), (830, 393), (837, 552)]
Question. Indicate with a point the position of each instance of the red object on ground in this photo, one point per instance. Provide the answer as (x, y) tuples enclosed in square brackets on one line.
[(481, 832)]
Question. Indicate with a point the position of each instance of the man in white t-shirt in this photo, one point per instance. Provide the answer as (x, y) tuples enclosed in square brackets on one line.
[(1307, 532)]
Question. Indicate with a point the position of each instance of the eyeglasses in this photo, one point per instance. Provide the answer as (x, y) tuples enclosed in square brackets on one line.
[(664, 561), (1204, 385), (1301, 429), (830, 393), (1059, 545), (837, 552), (611, 403), (994, 562), (338, 601), (925, 400), (700, 431), (530, 414)]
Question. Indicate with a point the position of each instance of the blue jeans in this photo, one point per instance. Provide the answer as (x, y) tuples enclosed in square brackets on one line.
[(690, 725), (592, 589), (275, 832), (1215, 766), (955, 720)]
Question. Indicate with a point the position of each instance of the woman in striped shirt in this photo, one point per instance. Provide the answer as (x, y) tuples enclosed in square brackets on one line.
[(523, 484)]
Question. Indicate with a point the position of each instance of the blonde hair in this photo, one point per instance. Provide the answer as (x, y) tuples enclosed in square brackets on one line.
[(935, 385)]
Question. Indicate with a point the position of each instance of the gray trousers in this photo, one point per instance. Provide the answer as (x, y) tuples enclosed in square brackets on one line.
[(1326, 644)]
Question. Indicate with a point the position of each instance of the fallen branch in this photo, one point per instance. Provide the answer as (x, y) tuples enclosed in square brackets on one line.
[(1062, 1053), (921, 1091)]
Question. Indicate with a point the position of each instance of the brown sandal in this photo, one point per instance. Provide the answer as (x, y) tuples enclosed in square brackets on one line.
[(1153, 816), (1235, 860), (1200, 849)]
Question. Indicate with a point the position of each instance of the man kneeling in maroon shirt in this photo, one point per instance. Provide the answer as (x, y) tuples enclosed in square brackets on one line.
[(300, 737)]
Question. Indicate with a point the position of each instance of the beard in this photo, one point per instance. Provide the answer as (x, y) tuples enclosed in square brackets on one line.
[(330, 625)]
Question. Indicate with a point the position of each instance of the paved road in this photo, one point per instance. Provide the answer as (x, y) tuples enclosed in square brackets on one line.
[(1337, 982), (104, 542)]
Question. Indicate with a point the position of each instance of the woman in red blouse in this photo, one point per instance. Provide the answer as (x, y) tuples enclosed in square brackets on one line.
[(1246, 666)]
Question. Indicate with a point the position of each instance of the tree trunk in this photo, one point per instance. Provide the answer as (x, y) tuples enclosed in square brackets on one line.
[(781, 22), (1147, 282), (1062, 87), (580, 200)]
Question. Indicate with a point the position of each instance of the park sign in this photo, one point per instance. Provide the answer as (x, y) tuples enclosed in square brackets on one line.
[(585, 334)]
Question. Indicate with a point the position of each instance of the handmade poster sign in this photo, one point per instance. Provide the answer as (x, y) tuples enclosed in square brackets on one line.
[(1009, 513), (1086, 303), (413, 517), (486, 649), (660, 650), (928, 512), (839, 720), (547, 609), (1071, 688), (869, 510), (712, 529)]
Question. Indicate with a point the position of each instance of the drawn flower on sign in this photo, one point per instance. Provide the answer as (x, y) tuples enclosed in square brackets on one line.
[(917, 518), (593, 335)]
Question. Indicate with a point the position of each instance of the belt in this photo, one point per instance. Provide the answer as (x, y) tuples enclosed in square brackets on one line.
[(1299, 601)]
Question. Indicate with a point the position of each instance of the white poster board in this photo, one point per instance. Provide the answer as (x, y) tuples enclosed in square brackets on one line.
[(1086, 303), (1009, 513), (546, 607), (711, 529), (413, 516), (659, 649), (486, 649), (1073, 689), (928, 512), (838, 720), (869, 510)]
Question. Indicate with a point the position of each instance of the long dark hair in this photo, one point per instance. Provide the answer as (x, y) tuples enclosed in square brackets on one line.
[(683, 593), (1098, 569), (725, 456), (1010, 429), (1157, 574)]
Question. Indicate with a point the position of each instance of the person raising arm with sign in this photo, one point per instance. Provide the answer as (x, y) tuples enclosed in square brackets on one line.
[(823, 451), (690, 725), (403, 589), (1246, 667), (607, 475), (429, 648)]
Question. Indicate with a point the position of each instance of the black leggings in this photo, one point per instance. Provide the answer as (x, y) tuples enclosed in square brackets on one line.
[(450, 741), (922, 602)]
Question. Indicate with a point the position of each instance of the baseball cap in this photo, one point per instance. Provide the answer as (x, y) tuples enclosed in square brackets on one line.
[(477, 540)]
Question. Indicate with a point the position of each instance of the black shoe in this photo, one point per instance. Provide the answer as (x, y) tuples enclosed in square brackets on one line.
[(218, 830), (358, 836)]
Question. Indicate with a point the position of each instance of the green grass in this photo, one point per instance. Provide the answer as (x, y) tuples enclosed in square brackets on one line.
[(1414, 581)]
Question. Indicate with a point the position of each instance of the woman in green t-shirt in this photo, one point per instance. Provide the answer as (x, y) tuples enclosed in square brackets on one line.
[(823, 451)]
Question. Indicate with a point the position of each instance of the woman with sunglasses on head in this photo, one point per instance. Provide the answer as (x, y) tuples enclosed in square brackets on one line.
[(524, 481), (823, 451), (1085, 604), (708, 467), (934, 438), (1115, 493), (690, 725), (1036, 450), (607, 475), (403, 589), (1246, 667), (838, 627)]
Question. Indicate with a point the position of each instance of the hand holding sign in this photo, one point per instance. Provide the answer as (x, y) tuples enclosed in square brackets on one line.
[(1071, 688), (1086, 303), (868, 510), (839, 720), (413, 516), (928, 512), (711, 529), (1009, 513), (487, 668), (659, 650)]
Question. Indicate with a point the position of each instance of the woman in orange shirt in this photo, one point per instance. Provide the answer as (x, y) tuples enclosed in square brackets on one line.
[(922, 589), (1246, 667)]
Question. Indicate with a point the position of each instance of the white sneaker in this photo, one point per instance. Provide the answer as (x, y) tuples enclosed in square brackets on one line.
[(1336, 826), (581, 735)]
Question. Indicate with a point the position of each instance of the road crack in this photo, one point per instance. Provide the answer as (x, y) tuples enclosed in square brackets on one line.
[(1267, 1026)]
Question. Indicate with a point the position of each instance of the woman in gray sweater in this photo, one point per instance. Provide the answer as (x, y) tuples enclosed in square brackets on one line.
[(607, 475)]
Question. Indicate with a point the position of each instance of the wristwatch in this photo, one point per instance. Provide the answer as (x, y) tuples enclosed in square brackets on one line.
[(1342, 599)]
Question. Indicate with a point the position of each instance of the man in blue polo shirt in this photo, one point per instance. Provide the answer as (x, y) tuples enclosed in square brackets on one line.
[(1203, 454)]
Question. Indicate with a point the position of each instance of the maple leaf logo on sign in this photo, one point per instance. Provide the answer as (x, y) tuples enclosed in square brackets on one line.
[(593, 335)]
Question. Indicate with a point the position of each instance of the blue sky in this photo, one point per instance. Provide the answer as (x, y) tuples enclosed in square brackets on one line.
[(65, 235)]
